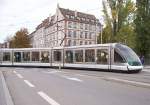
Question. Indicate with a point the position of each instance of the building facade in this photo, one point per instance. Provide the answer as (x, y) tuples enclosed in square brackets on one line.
[(66, 28), (4, 45)]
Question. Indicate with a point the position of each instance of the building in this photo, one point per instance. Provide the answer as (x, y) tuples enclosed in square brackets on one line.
[(66, 28), (4, 45)]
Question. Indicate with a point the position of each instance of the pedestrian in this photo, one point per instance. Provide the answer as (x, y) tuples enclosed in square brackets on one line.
[(142, 59)]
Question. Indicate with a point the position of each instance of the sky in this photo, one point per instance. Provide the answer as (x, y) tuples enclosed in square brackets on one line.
[(16, 14)]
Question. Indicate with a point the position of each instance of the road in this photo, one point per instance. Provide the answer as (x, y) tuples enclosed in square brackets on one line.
[(45, 86)]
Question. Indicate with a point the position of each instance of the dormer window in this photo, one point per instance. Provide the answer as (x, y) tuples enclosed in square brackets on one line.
[(78, 18), (83, 19), (92, 21), (72, 17), (67, 16), (87, 20)]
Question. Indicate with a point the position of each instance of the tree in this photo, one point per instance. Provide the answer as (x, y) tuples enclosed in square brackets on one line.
[(21, 39), (118, 16), (142, 27)]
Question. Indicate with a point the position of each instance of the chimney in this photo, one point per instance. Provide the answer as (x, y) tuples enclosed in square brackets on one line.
[(58, 5), (75, 13), (50, 17)]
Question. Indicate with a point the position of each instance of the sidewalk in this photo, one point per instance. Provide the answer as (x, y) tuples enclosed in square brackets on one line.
[(2, 95), (5, 98), (147, 66)]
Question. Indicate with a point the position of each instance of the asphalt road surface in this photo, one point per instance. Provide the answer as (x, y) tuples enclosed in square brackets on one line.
[(45, 86)]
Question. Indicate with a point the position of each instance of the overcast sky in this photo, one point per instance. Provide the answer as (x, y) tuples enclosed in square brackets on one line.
[(15, 14)]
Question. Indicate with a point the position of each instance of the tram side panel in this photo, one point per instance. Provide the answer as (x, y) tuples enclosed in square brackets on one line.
[(6, 57), (31, 57), (96, 58), (1, 60)]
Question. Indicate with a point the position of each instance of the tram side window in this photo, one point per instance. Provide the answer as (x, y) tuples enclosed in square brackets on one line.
[(35, 56), (6, 56), (45, 56), (78, 55), (17, 56), (90, 55), (26, 56), (102, 56), (118, 58), (69, 57), (57, 56)]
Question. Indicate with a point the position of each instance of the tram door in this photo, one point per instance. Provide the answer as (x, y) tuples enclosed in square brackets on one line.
[(1, 58), (103, 58), (17, 56), (57, 59)]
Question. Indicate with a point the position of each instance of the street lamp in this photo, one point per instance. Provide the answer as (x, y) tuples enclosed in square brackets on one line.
[(101, 34)]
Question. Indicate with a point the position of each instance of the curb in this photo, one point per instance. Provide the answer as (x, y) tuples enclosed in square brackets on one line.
[(8, 98)]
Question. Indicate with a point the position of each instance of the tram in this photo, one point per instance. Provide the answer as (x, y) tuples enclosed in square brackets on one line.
[(112, 56)]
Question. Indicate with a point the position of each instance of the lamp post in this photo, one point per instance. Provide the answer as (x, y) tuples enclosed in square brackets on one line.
[(61, 41), (101, 34)]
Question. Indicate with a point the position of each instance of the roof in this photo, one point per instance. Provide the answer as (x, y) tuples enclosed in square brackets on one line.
[(78, 16), (68, 14)]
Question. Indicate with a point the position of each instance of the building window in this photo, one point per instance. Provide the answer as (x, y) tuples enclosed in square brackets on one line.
[(85, 42), (69, 33), (69, 24), (90, 27), (72, 17), (81, 26), (86, 35), (69, 42), (90, 35), (81, 34), (93, 28), (81, 42), (74, 43), (87, 20), (86, 26), (90, 42), (67, 16), (74, 34), (92, 21), (83, 19), (75, 25)]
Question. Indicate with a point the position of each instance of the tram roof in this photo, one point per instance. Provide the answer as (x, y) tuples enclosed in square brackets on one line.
[(61, 47)]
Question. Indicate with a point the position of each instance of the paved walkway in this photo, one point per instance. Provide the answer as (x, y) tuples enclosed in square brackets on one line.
[(2, 97), (147, 66)]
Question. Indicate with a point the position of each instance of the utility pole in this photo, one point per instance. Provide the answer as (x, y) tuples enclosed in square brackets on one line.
[(58, 37), (101, 34)]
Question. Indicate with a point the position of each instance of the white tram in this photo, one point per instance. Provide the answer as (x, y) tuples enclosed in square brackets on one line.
[(100, 56)]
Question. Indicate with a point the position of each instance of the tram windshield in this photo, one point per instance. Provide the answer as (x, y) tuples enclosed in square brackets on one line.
[(129, 54)]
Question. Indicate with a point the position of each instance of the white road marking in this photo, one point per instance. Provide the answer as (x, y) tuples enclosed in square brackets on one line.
[(19, 75), (29, 83), (75, 79), (72, 78), (51, 72), (47, 98), (15, 72)]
